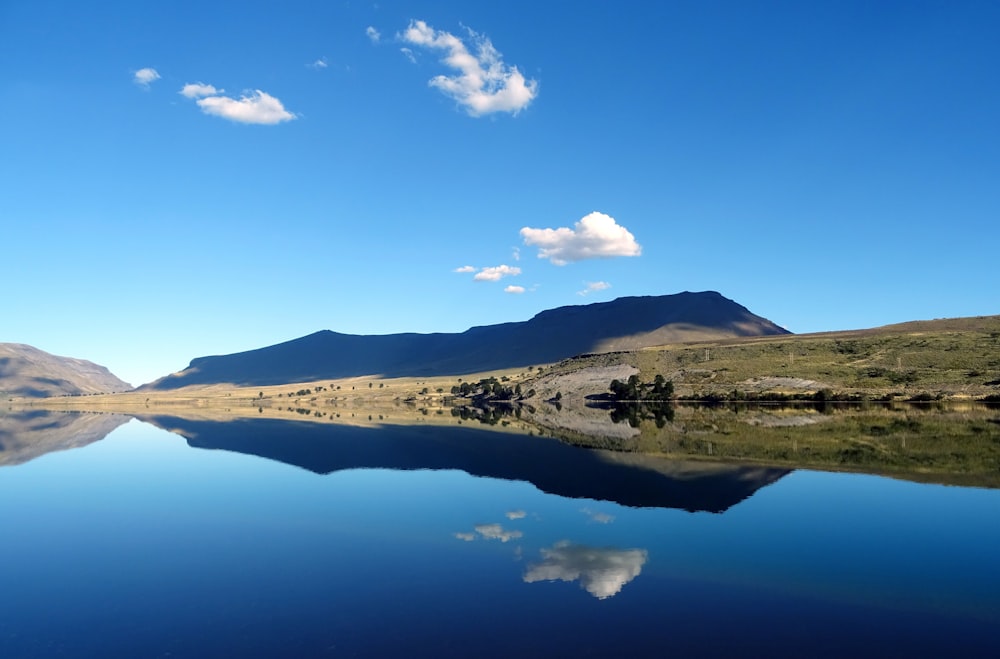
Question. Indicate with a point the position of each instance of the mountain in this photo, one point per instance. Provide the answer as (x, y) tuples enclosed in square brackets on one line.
[(624, 324), (28, 371), (550, 465)]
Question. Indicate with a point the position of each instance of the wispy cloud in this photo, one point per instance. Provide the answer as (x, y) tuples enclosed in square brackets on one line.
[(144, 77), (465, 269), (497, 272), (593, 286), (321, 63), (597, 516), (253, 107), (198, 89), (483, 84), (373, 34), (409, 54), (516, 514), (516, 290), (490, 532), (497, 532), (595, 236)]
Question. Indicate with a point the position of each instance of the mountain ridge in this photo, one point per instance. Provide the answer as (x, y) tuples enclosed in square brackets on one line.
[(30, 372), (626, 323)]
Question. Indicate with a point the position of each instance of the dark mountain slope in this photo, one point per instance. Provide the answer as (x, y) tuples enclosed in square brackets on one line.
[(622, 324), (28, 371)]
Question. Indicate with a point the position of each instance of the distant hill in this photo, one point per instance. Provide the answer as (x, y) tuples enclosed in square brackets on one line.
[(624, 324), (28, 371)]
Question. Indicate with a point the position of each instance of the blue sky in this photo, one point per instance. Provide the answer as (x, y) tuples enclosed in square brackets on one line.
[(186, 178)]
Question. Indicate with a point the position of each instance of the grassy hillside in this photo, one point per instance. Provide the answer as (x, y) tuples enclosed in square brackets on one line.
[(958, 358)]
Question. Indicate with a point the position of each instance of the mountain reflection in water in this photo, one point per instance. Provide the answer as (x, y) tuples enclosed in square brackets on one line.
[(553, 467), (29, 434)]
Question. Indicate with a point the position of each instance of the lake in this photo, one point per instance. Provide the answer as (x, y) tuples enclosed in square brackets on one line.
[(265, 538)]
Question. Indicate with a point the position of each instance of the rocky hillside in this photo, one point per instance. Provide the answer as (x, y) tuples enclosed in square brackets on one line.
[(623, 324), (30, 372)]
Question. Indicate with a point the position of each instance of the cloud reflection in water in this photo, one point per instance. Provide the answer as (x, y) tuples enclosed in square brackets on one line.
[(601, 571), (491, 532)]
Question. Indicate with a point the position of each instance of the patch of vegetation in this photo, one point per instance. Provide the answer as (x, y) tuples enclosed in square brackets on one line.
[(660, 389)]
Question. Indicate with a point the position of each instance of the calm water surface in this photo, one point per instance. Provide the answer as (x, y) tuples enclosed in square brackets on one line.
[(294, 539)]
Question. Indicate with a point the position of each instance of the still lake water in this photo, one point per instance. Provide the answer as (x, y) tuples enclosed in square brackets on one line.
[(275, 538)]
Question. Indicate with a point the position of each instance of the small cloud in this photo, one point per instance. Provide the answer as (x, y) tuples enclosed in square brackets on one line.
[(593, 286), (497, 532), (602, 572), (599, 517), (143, 77), (465, 269), (595, 236), (483, 84), (516, 254), (255, 107), (373, 34), (516, 514), (321, 63), (198, 90), (468, 537), (409, 55), (496, 273), (517, 290)]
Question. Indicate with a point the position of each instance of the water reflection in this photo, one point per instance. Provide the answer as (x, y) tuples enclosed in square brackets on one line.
[(29, 434), (550, 465), (601, 571), (491, 532), (145, 547)]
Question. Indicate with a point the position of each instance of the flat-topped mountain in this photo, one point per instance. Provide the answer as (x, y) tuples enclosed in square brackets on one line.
[(624, 324), (28, 371)]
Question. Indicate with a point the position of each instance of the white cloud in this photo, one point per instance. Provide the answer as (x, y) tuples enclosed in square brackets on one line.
[(490, 532), (409, 55), (484, 84), (497, 532), (143, 77), (593, 286), (596, 516), (198, 90), (373, 34), (595, 236), (601, 572), (321, 63), (255, 107), (516, 290), (465, 269), (516, 254), (496, 273), (516, 514)]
